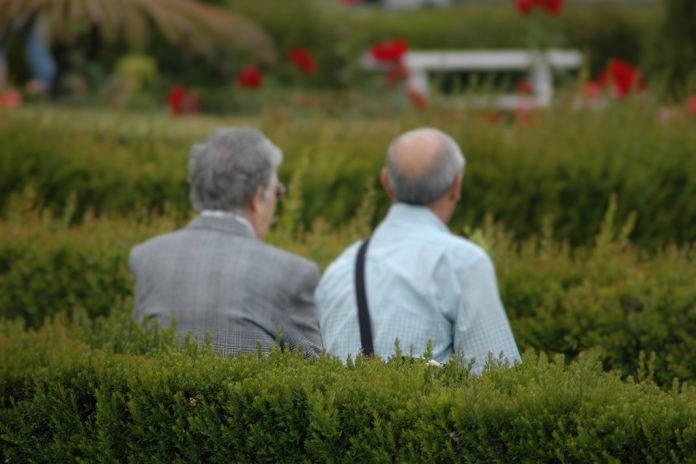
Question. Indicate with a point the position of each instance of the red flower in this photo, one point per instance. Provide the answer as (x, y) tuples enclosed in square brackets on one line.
[(524, 86), (390, 51), (250, 77), (493, 116), (553, 7), (625, 77), (397, 72), (304, 60), (175, 98), (622, 77), (525, 6), (181, 101), (691, 105)]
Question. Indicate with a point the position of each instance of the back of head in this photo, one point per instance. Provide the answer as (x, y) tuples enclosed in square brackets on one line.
[(226, 171), (422, 165)]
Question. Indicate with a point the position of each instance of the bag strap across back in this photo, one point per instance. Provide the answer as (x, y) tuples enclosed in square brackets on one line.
[(361, 297)]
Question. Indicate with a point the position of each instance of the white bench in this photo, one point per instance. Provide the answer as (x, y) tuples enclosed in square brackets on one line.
[(420, 63)]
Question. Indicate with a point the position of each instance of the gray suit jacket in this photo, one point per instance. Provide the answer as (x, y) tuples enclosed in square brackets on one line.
[(214, 276)]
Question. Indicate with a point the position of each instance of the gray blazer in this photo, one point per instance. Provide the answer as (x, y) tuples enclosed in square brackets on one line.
[(214, 276)]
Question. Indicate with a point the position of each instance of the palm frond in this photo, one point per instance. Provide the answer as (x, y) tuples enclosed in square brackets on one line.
[(198, 27)]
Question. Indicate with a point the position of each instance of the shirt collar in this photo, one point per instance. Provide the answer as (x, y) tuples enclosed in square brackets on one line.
[(410, 215)]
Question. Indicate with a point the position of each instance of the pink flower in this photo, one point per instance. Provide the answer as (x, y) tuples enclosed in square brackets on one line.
[(304, 60), (250, 77), (10, 99), (524, 113), (665, 114), (593, 90)]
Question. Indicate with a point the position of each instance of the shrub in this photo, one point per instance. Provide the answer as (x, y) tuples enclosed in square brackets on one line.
[(66, 401), (610, 297), (566, 165)]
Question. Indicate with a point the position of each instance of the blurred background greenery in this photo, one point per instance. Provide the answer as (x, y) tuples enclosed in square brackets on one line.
[(131, 57)]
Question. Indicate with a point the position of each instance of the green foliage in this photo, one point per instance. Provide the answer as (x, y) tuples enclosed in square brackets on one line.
[(611, 297), (67, 399), (564, 166), (674, 50), (602, 31)]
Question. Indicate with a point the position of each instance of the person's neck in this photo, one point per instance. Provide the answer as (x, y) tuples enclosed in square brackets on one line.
[(442, 209)]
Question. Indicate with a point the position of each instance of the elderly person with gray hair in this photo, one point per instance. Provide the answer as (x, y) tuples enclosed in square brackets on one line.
[(416, 282), (216, 276)]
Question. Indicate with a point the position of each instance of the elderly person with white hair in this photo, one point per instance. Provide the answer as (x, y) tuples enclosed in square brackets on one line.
[(416, 282), (216, 276)]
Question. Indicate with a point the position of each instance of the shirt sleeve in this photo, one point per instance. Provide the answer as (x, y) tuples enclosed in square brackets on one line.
[(133, 266), (481, 326)]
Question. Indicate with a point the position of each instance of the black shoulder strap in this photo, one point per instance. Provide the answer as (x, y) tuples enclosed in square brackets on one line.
[(363, 312)]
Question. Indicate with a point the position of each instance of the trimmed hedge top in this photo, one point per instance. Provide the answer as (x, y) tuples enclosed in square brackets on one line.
[(142, 399)]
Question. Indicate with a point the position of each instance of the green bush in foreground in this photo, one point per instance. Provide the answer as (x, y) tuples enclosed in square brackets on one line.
[(611, 297), (147, 401)]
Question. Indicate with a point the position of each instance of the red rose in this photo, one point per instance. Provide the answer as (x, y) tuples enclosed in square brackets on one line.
[(304, 60), (553, 7), (524, 86), (390, 51), (623, 76), (397, 73), (525, 6), (691, 105), (250, 77), (175, 99), (182, 101)]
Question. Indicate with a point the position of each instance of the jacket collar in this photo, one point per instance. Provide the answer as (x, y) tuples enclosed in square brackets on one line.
[(228, 223)]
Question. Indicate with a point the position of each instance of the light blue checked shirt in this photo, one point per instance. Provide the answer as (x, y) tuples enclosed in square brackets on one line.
[(422, 283)]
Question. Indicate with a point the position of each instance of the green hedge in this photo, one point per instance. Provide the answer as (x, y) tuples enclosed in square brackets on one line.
[(63, 400), (565, 165), (611, 297)]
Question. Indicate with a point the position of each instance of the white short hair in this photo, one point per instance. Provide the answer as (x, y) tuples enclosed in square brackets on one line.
[(226, 171)]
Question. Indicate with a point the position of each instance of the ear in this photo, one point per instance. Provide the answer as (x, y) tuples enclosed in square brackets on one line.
[(255, 204), (384, 176), (456, 189)]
